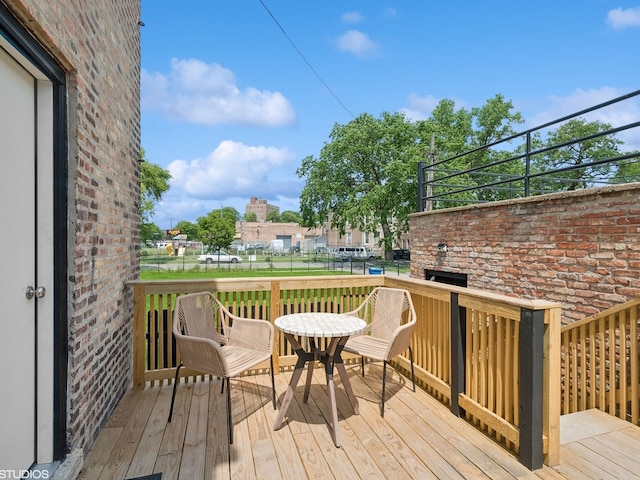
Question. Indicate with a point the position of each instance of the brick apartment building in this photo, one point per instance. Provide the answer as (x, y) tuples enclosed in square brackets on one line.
[(261, 208)]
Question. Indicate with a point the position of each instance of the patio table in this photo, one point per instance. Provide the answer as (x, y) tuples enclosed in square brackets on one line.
[(311, 325)]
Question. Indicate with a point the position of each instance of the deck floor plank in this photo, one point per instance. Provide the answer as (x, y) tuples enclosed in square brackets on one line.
[(170, 453), (317, 415), (125, 447), (98, 457), (290, 464), (192, 464), (144, 460), (432, 427), (359, 459), (418, 438), (217, 452), (390, 452)]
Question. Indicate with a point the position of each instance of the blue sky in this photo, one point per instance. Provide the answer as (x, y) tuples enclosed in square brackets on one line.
[(230, 106)]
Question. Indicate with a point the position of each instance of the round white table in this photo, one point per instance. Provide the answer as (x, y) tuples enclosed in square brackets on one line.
[(338, 328)]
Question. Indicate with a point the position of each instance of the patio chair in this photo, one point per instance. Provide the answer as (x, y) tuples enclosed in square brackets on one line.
[(390, 318), (240, 345)]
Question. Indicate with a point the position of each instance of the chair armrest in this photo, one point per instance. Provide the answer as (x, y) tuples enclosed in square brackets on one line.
[(201, 354), (400, 340)]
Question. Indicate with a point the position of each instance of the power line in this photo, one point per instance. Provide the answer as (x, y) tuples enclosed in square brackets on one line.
[(305, 60)]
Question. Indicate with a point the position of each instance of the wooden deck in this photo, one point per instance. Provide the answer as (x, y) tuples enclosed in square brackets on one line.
[(418, 437)]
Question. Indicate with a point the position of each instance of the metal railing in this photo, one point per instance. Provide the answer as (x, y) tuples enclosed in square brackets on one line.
[(514, 167)]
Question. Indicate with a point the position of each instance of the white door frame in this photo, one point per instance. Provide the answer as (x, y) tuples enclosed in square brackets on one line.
[(51, 236), (43, 274)]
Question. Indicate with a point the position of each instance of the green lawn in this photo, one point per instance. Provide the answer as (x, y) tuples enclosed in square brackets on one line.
[(157, 265)]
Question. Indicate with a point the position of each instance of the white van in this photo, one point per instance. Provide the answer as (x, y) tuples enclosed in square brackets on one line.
[(363, 253)]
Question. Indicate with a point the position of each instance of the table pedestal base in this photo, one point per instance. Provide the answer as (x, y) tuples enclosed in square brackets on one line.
[(329, 358)]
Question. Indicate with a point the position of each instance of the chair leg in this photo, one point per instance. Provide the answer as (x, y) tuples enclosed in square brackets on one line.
[(384, 380), (273, 385), (413, 375), (229, 417), (362, 364), (175, 386), (222, 386)]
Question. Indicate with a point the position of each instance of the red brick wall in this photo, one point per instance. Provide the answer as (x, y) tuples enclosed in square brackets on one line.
[(98, 44), (580, 248)]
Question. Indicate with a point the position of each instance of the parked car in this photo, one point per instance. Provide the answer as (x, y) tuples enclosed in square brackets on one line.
[(255, 246), (402, 254), (349, 253), (219, 257)]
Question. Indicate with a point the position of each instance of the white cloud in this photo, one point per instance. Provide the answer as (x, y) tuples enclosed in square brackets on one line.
[(420, 108), (232, 169), (229, 176), (390, 12), (351, 17), (356, 42), (616, 115), (581, 99), (620, 18), (207, 94)]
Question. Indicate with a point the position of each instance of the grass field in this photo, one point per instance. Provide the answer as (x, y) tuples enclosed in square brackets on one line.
[(235, 273), (157, 265)]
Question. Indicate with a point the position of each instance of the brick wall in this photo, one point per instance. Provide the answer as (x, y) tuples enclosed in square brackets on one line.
[(580, 248), (98, 44)]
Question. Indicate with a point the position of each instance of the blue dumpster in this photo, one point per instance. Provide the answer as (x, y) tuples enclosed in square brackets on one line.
[(375, 271)]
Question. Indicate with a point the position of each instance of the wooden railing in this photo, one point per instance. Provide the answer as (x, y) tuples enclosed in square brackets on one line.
[(600, 357), (493, 359)]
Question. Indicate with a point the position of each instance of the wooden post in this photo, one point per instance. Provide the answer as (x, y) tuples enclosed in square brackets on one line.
[(139, 336), (552, 384), (274, 312)]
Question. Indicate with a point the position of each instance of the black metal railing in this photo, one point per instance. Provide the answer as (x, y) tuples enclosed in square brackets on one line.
[(518, 166)]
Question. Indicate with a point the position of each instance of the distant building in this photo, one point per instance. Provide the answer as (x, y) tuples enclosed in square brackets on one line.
[(261, 208)]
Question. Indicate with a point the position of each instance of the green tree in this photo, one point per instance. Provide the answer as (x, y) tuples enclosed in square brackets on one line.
[(217, 229), (187, 228), (251, 217), (365, 177), (459, 131), (289, 216), (577, 143), (628, 171), (273, 216), (150, 232), (154, 182)]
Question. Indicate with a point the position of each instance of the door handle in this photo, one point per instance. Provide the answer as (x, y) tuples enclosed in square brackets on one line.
[(35, 292)]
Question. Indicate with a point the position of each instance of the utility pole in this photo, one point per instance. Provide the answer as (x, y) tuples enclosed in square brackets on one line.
[(432, 154)]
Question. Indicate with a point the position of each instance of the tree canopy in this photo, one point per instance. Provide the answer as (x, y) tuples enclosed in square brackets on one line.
[(154, 182), (579, 144), (289, 216), (217, 229), (187, 228), (273, 216), (365, 177)]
